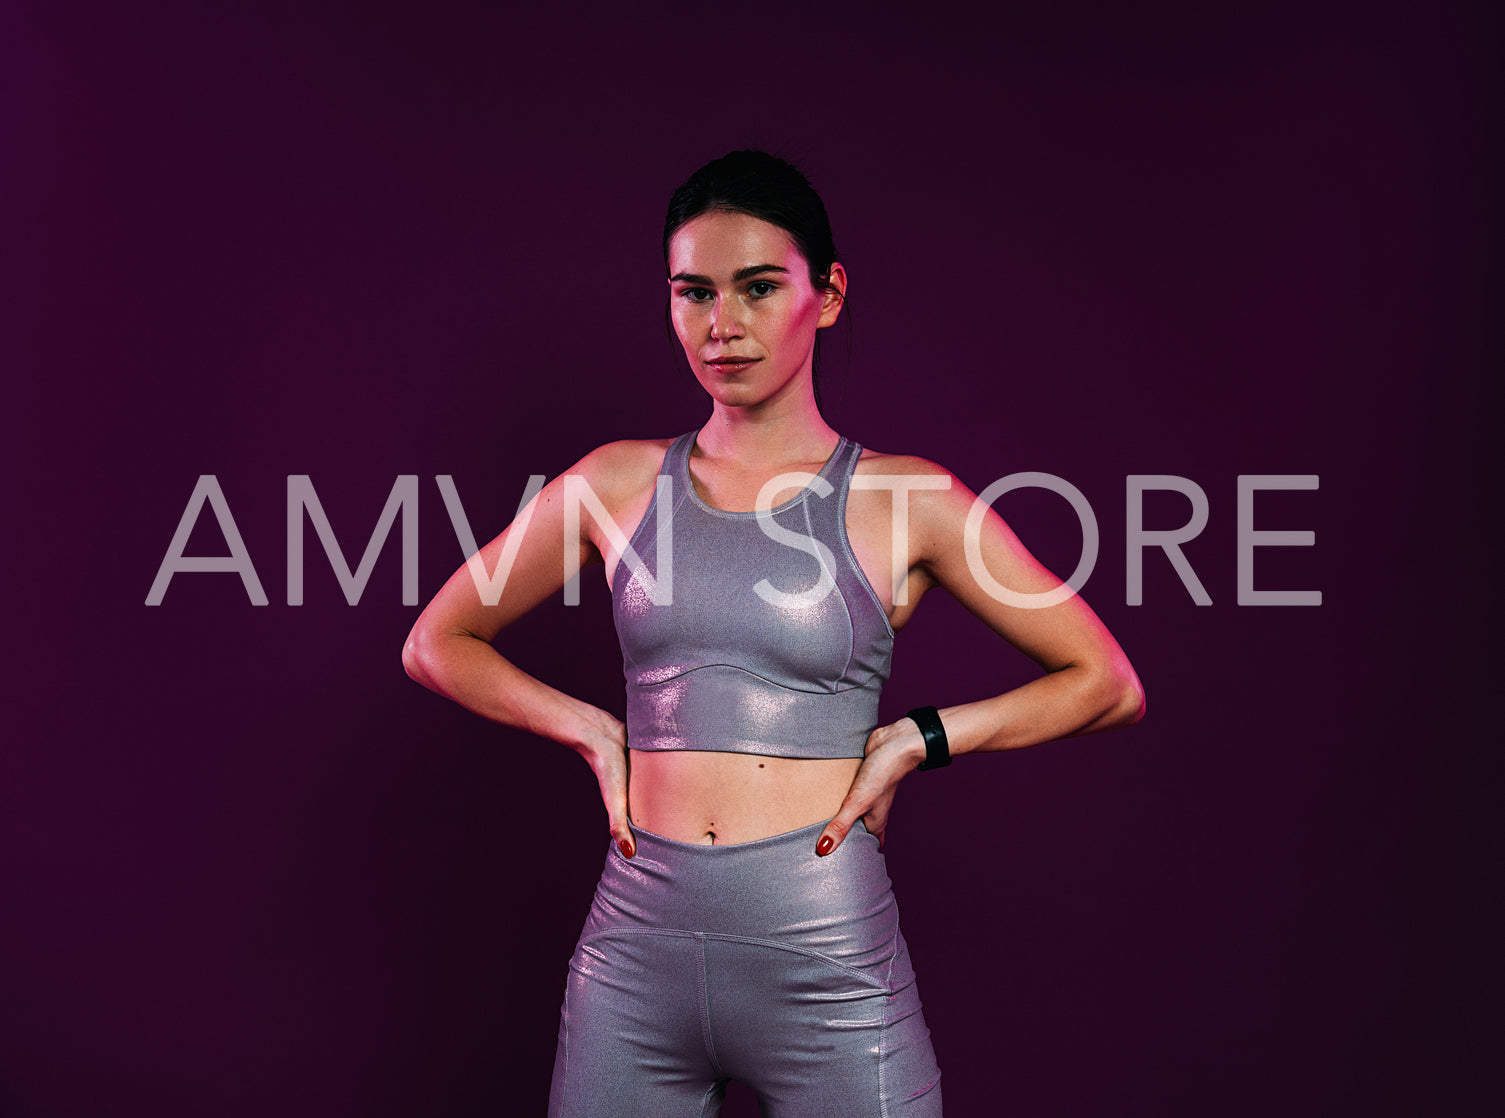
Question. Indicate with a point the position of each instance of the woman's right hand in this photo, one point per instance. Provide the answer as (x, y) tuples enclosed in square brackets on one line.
[(607, 755)]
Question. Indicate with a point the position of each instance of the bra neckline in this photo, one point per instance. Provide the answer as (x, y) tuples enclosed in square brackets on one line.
[(683, 467)]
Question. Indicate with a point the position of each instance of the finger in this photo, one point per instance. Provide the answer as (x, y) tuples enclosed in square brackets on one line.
[(830, 839), (835, 832), (623, 838), (621, 834), (614, 797)]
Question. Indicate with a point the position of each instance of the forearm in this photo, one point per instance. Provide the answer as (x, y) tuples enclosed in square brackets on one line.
[(1067, 703), (468, 670)]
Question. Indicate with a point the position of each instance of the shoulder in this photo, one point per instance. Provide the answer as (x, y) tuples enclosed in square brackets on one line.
[(632, 455), (937, 502), (927, 483), (619, 471), (877, 462)]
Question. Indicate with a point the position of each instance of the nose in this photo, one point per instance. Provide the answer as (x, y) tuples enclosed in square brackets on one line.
[(725, 322)]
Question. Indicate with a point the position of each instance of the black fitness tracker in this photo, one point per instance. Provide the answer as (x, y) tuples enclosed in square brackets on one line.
[(937, 748)]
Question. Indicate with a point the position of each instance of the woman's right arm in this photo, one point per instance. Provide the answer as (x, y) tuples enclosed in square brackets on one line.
[(449, 649)]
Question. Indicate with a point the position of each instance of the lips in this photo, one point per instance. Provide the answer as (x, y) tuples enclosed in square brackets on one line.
[(732, 363)]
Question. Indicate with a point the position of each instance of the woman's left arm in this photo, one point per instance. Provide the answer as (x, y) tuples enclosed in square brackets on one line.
[(1088, 684)]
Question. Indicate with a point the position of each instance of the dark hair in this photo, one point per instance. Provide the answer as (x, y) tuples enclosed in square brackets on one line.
[(771, 189)]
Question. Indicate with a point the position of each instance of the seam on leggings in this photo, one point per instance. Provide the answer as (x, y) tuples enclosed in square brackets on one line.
[(564, 1079), (862, 976), (677, 933), (779, 945), (888, 979), (705, 1005)]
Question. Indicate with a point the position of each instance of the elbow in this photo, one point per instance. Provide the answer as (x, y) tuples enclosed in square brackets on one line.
[(413, 659), (1118, 697), (1130, 706)]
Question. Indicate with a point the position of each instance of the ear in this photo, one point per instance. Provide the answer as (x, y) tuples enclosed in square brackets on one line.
[(831, 304)]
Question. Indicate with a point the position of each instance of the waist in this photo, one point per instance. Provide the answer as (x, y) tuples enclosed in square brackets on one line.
[(714, 798)]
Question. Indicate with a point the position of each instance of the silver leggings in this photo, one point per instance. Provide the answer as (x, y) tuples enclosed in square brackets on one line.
[(757, 962)]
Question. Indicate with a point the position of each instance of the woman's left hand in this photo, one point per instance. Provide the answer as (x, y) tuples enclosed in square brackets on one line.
[(891, 752)]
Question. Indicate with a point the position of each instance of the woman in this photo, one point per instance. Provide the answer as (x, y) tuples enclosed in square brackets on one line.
[(744, 926)]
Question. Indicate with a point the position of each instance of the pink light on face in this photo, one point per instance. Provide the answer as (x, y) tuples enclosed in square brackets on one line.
[(744, 308)]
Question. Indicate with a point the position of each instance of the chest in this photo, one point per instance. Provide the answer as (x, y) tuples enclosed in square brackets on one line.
[(777, 595), (869, 530)]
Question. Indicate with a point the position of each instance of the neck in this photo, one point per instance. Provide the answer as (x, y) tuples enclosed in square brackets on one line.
[(775, 431)]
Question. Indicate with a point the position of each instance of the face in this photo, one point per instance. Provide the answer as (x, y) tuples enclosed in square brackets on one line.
[(745, 309)]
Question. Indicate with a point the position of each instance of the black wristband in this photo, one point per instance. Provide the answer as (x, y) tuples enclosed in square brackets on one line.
[(937, 749)]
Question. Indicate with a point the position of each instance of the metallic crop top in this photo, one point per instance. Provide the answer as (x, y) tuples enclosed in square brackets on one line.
[(747, 632)]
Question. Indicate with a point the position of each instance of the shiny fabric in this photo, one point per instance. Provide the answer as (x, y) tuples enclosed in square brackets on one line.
[(754, 961), (723, 667)]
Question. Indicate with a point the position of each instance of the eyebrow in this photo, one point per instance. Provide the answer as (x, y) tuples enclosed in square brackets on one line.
[(737, 277)]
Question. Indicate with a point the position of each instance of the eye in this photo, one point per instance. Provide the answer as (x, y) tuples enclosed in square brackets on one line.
[(760, 289), (697, 294)]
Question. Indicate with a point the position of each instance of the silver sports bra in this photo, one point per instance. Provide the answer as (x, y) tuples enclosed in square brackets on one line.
[(765, 636)]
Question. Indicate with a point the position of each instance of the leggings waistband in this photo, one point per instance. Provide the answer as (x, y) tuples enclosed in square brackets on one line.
[(788, 840), (773, 888)]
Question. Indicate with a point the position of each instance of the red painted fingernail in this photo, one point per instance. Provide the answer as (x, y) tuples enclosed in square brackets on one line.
[(626, 848), (823, 847)]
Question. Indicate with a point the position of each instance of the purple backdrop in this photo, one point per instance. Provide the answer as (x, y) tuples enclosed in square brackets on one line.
[(248, 868)]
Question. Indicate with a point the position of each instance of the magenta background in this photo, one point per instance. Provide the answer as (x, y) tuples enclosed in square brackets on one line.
[(248, 868)]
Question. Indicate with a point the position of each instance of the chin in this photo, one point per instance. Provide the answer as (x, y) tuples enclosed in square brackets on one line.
[(734, 396)]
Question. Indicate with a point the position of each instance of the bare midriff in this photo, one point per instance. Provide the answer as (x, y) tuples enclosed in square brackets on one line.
[(724, 798)]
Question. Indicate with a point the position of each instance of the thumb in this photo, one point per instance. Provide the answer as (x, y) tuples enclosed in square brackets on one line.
[(621, 834), (618, 821), (836, 830)]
